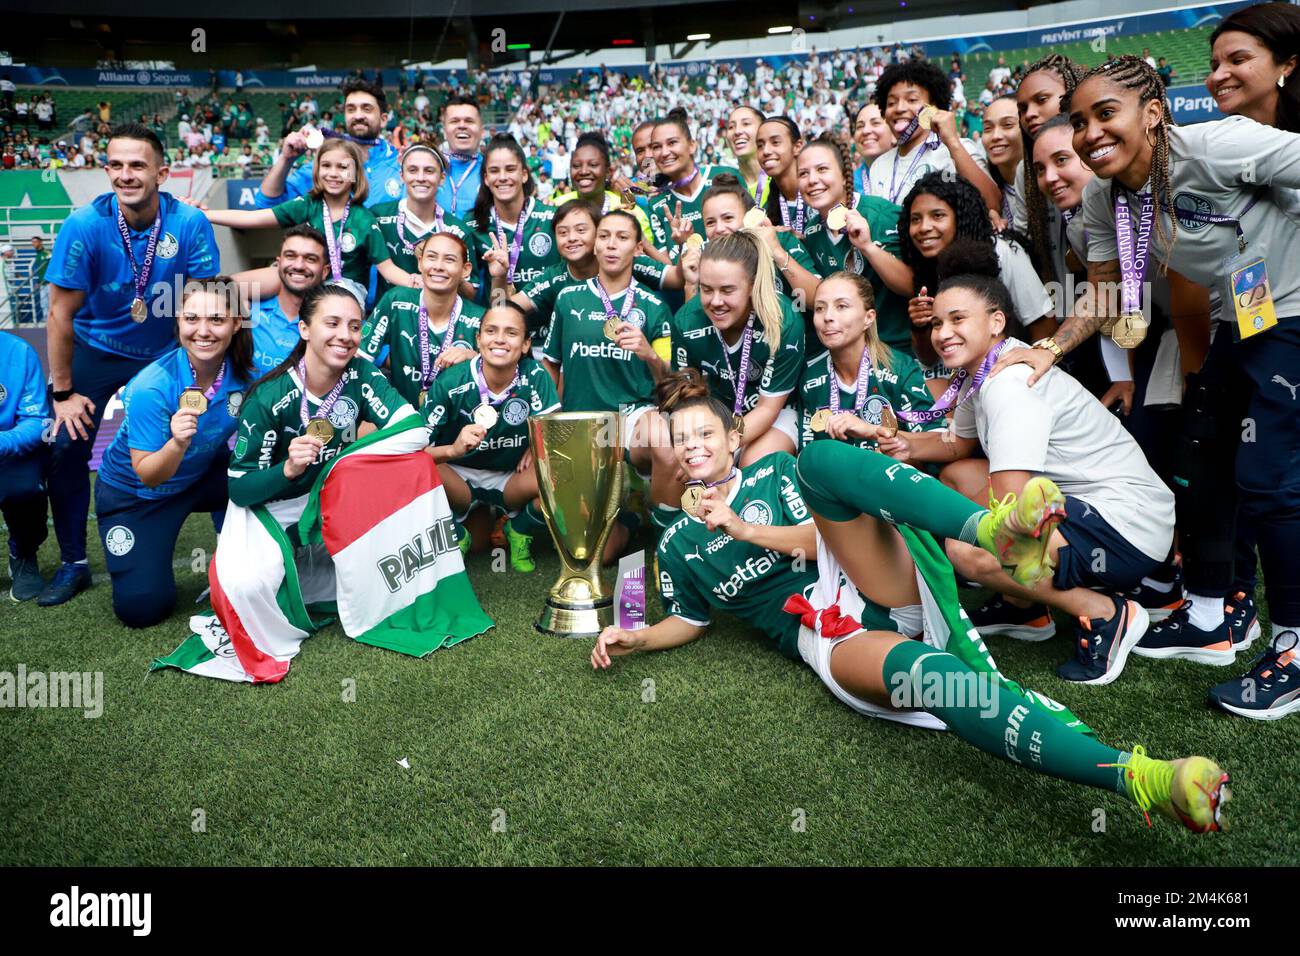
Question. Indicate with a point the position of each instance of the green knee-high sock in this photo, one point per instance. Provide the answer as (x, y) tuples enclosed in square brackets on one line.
[(987, 715), (841, 481), (528, 521)]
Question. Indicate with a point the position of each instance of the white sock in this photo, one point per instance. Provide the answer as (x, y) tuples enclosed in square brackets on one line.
[(1291, 642), (1164, 587), (1207, 612)]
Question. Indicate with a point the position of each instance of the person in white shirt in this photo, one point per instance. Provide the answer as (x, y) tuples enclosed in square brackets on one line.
[(1001, 73)]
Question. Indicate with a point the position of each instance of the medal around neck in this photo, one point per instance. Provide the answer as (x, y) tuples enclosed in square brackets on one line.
[(888, 426), (691, 499), (485, 416), (819, 420), (321, 428), (695, 241), (313, 137), (1130, 330), (837, 218), (754, 218), (195, 399), (139, 311), (925, 118), (738, 423), (611, 327)]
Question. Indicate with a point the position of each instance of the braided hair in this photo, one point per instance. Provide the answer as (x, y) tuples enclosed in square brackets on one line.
[(1135, 74), (1040, 244), (846, 163), (968, 209)]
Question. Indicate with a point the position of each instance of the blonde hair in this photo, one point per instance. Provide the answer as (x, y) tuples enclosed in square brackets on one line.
[(360, 185), (745, 248), (881, 354)]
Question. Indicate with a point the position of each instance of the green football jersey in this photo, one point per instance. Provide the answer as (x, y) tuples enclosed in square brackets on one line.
[(701, 569), (598, 375), (271, 418), (543, 290), (697, 344), (537, 250), (664, 205), (901, 387), (402, 248), (832, 255), (394, 328), (454, 395), (360, 241)]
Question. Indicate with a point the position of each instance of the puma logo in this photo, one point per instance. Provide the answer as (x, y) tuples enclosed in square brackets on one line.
[(694, 555), (408, 336), (1087, 509), (1291, 388)]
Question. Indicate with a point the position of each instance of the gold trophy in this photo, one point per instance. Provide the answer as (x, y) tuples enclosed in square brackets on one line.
[(579, 462)]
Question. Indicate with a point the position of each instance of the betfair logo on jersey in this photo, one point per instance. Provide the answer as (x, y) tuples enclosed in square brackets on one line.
[(422, 552), (600, 350), (753, 569), (503, 441)]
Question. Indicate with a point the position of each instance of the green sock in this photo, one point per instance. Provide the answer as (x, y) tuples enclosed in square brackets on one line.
[(528, 521), (985, 714), (841, 481)]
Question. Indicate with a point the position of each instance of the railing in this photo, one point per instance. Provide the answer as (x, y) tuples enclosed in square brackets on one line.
[(23, 292)]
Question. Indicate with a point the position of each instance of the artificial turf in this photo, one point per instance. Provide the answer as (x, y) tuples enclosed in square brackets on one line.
[(720, 752)]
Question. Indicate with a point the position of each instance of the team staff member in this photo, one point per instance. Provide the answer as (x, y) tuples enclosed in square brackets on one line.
[(462, 127), (676, 212), (168, 458), (24, 416), (1118, 113), (365, 113), (423, 331), (478, 415), (858, 233), (760, 519), (747, 341), (405, 222), (512, 225), (301, 265), (589, 171), (114, 269)]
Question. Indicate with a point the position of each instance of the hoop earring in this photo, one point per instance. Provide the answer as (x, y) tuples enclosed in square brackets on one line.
[(1151, 140)]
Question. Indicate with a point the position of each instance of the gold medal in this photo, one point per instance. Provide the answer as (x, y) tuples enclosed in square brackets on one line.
[(837, 218), (195, 399), (738, 423), (820, 419), (695, 241), (424, 394), (691, 498), (321, 428), (1108, 324), (485, 416), (888, 426), (1130, 331), (925, 118), (139, 311), (754, 218), (611, 327)]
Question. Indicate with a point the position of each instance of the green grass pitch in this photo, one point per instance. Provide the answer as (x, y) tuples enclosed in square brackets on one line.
[(721, 752)]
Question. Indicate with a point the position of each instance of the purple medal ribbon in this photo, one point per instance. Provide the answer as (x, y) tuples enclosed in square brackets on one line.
[(860, 390), (471, 159), (762, 185), (1133, 249), (429, 371), (517, 241), (706, 485), (742, 379), (334, 243), (481, 382), (140, 273), (326, 403), (681, 183), (334, 134), (930, 142), (608, 303), (438, 226), (949, 399), (799, 215), (215, 387)]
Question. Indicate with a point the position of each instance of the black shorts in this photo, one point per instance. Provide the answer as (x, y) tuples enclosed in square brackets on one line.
[(1096, 555)]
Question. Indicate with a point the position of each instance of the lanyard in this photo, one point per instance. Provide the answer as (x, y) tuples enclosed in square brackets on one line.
[(949, 400), (860, 390), (739, 379), (438, 226), (326, 403), (484, 395), (426, 374), (516, 241), (140, 273), (334, 243)]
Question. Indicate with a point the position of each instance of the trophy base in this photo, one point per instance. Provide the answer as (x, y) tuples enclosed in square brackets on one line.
[(585, 619)]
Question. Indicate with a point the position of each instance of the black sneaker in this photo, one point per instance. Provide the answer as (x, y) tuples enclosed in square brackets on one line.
[(1160, 604), (1243, 620), (27, 580), (1270, 689), (69, 581), (1000, 616), (1101, 647), (1176, 637)]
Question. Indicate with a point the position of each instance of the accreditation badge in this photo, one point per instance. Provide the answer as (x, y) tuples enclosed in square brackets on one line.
[(1252, 296)]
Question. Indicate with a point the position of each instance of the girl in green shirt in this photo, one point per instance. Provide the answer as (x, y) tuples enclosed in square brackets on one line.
[(511, 222)]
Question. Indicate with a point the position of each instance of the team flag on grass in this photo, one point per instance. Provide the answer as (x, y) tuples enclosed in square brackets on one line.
[(373, 545)]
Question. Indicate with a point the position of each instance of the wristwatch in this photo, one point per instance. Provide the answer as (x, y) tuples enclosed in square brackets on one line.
[(63, 395), (1050, 345)]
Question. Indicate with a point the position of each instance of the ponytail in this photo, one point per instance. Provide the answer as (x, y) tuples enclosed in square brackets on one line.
[(678, 391), (745, 248)]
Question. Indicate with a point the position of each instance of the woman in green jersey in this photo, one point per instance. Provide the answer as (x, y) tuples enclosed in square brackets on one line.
[(423, 331), (675, 213), (478, 413), (744, 549), (741, 135), (513, 225), (779, 141)]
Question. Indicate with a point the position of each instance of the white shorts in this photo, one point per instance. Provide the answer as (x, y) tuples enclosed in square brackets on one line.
[(787, 423), (486, 487)]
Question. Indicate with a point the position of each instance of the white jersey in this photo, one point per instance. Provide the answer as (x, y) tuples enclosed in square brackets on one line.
[(1016, 270), (1058, 430), (893, 176)]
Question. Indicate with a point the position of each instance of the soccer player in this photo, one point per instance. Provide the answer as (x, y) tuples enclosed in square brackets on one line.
[(405, 222), (589, 171), (675, 213), (1118, 112), (778, 143), (1005, 150), (114, 272), (462, 127), (866, 241), (848, 391), (423, 331), (273, 321), (745, 548), (478, 415), (168, 458), (741, 134), (365, 112), (24, 417), (747, 340), (871, 138)]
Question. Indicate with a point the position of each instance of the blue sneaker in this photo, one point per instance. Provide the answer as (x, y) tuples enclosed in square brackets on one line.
[(1000, 616), (27, 580), (1102, 647), (1176, 637), (69, 581), (1160, 604), (1270, 689), (1243, 620)]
